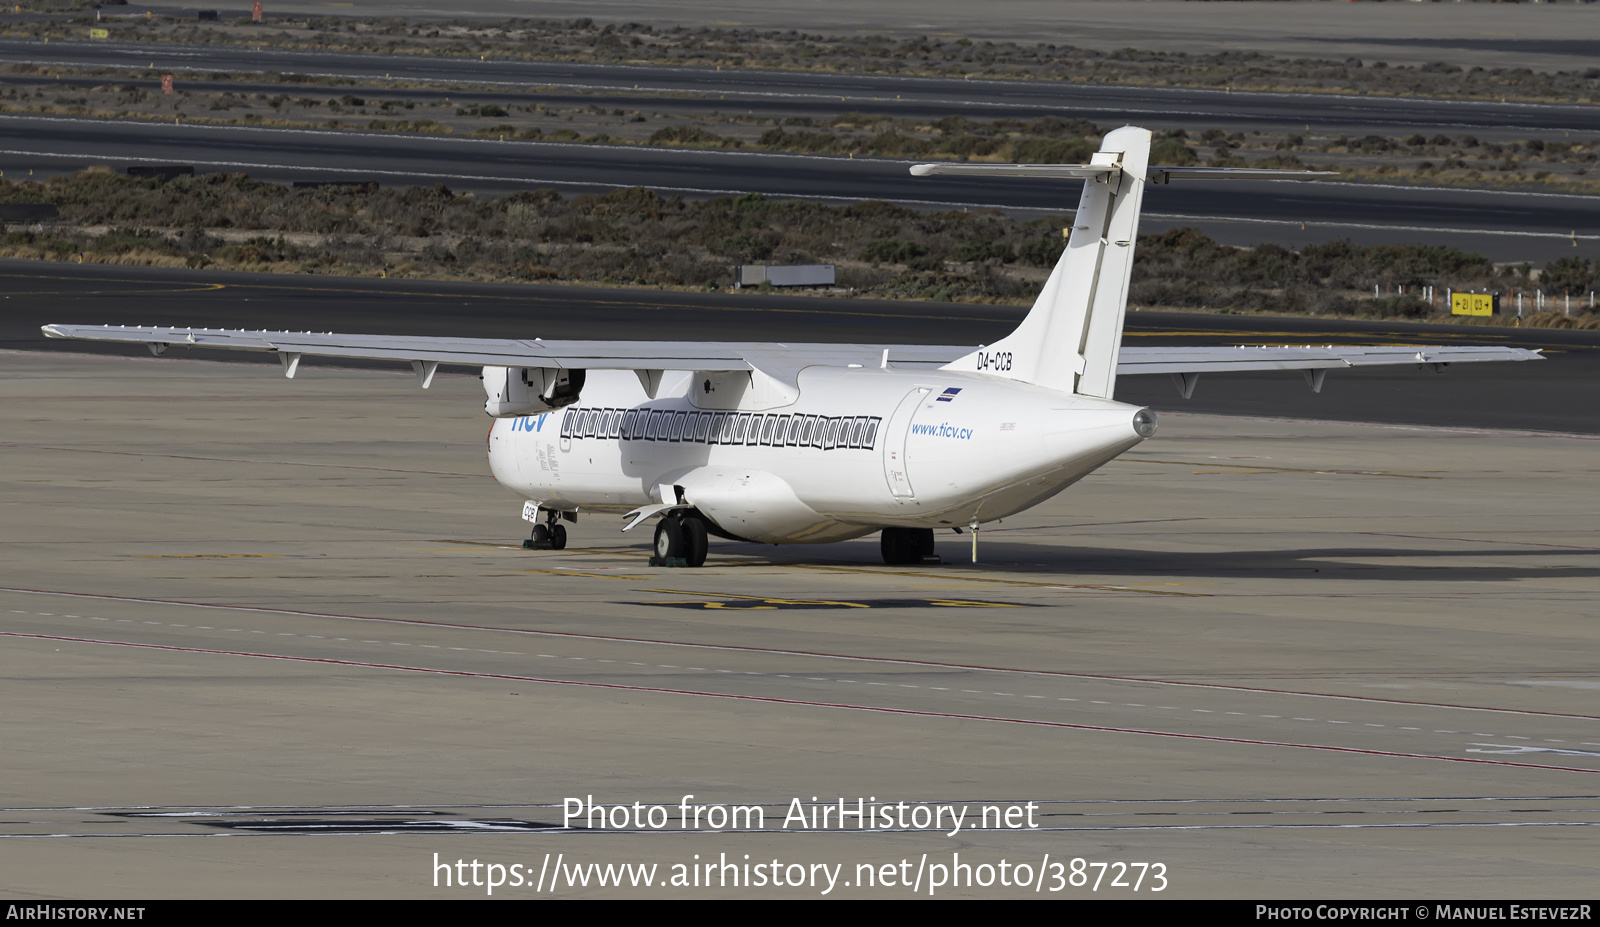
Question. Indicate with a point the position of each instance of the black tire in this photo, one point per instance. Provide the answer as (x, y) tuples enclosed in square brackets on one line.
[(694, 541), (541, 536), (669, 539), (558, 537), (923, 543), (897, 547)]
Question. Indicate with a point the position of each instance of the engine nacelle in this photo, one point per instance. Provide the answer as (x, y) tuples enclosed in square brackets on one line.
[(529, 390)]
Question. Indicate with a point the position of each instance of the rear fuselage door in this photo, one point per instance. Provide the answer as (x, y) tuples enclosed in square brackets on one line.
[(894, 444)]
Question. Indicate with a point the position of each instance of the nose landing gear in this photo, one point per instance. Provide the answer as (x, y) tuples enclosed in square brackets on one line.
[(552, 535)]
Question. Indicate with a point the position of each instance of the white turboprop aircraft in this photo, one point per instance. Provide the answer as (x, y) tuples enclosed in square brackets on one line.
[(811, 443)]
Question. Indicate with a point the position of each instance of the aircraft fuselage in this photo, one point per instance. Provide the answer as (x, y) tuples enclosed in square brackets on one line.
[(858, 450)]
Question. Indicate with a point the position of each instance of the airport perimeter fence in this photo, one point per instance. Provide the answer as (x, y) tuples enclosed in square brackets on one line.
[(1493, 302)]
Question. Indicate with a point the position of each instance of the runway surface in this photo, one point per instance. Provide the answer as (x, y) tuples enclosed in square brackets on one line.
[(1281, 659), (1551, 38), (686, 89), (1557, 394)]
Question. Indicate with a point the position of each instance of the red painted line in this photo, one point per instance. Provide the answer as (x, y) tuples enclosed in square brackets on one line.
[(772, 700), (804, 653), (892, 661)]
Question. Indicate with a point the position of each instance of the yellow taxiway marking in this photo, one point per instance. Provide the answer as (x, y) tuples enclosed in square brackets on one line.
[(1266, 469), (941, 577), (992, 579), (631, 579)]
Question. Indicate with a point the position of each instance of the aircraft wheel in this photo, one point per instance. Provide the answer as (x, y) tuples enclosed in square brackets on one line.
[(898, 547), (558, 537), (540, 539), (922, 543), (669, 539), (694, 541)]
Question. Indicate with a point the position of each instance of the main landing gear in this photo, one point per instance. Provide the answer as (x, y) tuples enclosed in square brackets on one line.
[(680, 541), (907, 546), (552, 535)]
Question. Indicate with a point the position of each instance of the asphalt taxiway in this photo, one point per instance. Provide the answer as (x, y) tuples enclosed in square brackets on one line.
[(277, 639)]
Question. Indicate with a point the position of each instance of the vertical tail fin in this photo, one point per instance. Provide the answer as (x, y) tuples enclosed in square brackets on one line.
[(1070, 339)]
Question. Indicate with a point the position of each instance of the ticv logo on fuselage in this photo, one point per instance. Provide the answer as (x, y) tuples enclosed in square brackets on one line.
[(943, 430), (529, 422)]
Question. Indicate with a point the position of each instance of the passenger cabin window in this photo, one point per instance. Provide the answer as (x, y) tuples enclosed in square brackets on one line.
[(730, 428)]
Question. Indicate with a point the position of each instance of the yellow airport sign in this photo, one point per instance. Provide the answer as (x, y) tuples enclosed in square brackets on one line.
[(99, 33), (1471, 304)]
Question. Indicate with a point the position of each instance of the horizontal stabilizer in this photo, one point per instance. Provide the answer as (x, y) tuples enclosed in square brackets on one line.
[(1153, 174)]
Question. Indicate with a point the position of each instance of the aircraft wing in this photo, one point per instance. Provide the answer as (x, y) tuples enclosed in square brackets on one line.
[(778, 359), (1142, 360)]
